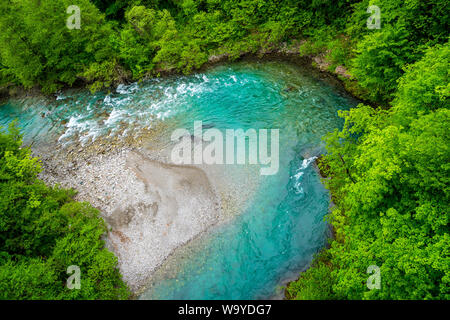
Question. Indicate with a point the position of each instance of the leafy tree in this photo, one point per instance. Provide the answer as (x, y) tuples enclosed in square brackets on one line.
[(380, 58), (37, 47), (389, 179), (43, 232)]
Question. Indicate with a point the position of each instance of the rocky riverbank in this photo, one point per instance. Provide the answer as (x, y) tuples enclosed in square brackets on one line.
[(151, 207)]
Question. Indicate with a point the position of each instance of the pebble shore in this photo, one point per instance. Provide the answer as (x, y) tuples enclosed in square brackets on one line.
[(151, 208)]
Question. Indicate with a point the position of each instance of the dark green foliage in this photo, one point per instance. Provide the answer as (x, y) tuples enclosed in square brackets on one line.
[(316, 283), (37, 47), (427, 21), (43, 232), (150, 36)]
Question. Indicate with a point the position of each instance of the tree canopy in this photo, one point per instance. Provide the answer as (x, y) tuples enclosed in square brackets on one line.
[(389, 180), (43, 232)]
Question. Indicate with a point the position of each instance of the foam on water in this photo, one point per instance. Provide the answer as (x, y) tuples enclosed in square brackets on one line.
[(300, 172)]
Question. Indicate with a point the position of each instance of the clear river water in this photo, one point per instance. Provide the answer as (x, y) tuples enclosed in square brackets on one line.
[(281, 226)]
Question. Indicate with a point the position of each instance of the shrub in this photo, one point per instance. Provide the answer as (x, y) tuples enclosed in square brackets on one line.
[(43, 232)]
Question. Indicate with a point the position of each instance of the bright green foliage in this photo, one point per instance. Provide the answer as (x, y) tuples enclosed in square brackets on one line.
[(147, 37), (37, 47), (390, 182), (104, 74), (425, 86), (315, 284), (43, 232)]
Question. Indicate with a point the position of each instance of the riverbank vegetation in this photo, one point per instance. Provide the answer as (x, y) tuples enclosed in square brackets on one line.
[(43, 232), (388, 165), (389, 176), (130, 39)]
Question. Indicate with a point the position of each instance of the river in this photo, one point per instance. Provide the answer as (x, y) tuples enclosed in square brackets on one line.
[(274, 233)]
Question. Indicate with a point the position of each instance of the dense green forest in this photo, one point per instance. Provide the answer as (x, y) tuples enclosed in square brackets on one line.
[(387, 169)]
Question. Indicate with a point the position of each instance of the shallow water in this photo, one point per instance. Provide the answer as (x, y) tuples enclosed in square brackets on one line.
[(281, 226)]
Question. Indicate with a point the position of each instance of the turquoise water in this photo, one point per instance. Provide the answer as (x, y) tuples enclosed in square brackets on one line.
[(276, 234)]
